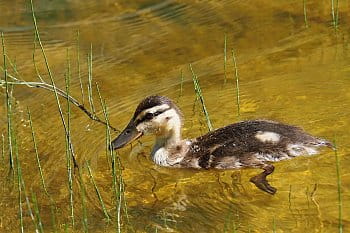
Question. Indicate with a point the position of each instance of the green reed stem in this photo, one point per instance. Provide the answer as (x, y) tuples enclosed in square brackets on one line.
[(67, 80), (112, 156), (19, 180), (121, 196), (335, 13), (53, 217), (225, 58), (52, 81), (237, 83), (19, 177), (305, 14), (66, 228), (99, 196), (52, 203), (37, 36), (109, 153), (274, 225), (68, 141), (30, 212), (198, 91), (122, 191), (117, 193), (340, 201), (3, 147), (37, 153), (230, 224), (33, 58), (12, 140), (83, 202), (107, 123), (13, 66), (8, 107), (79, 71), (89, 62), (116, 170), (70, 183), (37, 212)]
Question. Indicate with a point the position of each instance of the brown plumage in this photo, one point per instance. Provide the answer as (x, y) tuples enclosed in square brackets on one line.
[(245, 144)]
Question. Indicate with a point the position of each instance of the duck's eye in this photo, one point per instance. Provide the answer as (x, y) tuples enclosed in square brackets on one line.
[(149, 116), (127, 131)]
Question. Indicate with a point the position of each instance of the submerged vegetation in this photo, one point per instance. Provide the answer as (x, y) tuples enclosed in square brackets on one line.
[(75, 171)]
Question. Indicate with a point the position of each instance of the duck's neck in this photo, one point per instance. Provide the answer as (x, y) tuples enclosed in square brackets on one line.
[(168, 140), (164, 143)]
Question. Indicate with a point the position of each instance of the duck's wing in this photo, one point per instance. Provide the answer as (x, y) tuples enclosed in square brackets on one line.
[(253, 133), (251, 142)]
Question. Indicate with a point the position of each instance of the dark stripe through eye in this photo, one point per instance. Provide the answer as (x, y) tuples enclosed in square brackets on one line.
[(158, 112), (149, 116)]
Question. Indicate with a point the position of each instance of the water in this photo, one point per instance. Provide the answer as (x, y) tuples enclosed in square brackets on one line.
[(288, 72)]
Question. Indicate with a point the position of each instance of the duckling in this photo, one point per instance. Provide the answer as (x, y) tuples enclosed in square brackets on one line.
[(246, 144)]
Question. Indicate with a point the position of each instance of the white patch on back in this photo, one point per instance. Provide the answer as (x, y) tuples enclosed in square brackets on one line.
[(266, 136)]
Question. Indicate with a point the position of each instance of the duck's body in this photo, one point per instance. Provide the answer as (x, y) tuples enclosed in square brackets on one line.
[(245, 144)]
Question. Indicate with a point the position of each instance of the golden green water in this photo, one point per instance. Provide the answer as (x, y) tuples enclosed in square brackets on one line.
[(290, 70)]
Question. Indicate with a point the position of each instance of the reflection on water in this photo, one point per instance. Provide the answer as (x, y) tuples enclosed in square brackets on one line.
[(287, 72)]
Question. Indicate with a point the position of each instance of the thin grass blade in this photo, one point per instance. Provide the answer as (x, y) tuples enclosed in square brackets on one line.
[(237, 84), (339, 189), (99, 196), (201, 98), (8, 108)]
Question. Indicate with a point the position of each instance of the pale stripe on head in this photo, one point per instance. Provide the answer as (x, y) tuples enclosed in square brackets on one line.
[(156, 110)]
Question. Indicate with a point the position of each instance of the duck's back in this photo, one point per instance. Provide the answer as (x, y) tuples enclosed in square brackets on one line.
[(250, 143)]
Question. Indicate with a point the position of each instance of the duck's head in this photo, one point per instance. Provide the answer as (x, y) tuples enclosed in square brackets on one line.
[(156, 115)]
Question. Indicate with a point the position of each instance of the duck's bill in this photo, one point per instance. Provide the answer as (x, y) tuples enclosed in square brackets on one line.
[(129, 134)]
